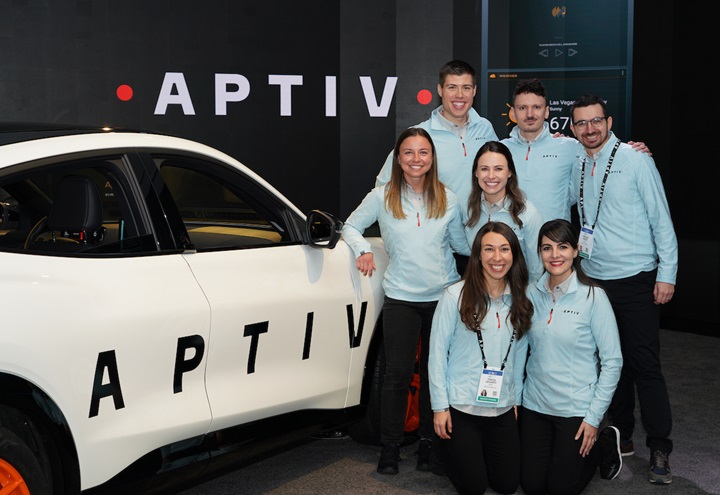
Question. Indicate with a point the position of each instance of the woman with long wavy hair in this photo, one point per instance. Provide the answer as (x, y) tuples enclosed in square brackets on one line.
[(474, 385), (496, 196), (420, 225)]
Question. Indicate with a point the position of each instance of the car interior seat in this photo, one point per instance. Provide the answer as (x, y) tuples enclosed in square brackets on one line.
[(75, 218)]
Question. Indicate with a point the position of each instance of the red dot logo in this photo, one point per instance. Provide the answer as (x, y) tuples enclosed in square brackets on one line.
[(424, 96), (124, 92)]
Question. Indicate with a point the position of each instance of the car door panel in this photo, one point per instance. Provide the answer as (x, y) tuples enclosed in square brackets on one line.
[(281, 337), (123, 319)]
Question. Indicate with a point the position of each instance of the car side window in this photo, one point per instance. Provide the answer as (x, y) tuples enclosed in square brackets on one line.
[(71, 209), (222, 209)]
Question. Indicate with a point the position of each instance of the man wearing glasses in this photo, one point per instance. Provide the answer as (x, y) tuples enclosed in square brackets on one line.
[(629, 246), (543, 160)]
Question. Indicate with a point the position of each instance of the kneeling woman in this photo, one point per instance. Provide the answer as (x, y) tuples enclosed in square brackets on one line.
[(572, 371), (473, 344)]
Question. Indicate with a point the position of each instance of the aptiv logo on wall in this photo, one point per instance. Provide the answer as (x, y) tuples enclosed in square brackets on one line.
[(233, 89)]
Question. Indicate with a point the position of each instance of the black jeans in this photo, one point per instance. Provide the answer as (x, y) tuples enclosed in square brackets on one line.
[(551, 460), (404, 325), (482, 451), (638, 319)]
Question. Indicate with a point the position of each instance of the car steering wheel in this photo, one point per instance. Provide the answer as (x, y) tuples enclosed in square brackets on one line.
[(40, 227)]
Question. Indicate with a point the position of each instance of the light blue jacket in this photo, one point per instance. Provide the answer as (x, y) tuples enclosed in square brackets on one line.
[(455, 362), (455, 156), (420, 248), (544, 169), (634, 231), (527, 235), (567, 348)]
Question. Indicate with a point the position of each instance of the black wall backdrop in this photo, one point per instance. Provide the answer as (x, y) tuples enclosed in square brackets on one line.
[(311, 95)]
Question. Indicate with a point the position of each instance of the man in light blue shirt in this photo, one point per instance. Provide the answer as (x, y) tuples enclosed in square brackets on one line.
[(543, 160), (457, 130), (629, 246)]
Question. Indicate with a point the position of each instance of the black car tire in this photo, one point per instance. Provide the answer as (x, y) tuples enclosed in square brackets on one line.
[(16, 455)]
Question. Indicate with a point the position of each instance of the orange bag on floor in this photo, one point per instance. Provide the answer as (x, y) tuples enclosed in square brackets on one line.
[(412, 416)]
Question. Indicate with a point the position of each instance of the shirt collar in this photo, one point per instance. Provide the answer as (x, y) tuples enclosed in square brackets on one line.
[(562, 288), (416, 198), (607, 146), (506, 292), (458, 130), (529, 142), (494, 207)]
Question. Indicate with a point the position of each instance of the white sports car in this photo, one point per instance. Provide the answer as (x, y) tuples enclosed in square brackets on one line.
[(162, 305)]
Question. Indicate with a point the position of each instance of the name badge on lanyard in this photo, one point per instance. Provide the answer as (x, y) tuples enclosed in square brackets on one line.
[(587, 233), (490, 384), (585, 242)]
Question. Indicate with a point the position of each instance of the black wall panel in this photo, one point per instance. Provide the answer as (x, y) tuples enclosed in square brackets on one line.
[(64, 62)]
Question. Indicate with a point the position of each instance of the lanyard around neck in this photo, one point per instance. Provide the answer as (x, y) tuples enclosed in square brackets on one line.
[(602, 187), (478, 332)]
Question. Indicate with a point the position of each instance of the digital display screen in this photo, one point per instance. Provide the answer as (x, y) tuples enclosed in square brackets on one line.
[(574, 48)]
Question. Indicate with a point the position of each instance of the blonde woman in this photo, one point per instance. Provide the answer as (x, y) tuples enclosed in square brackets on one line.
[(420, 224)]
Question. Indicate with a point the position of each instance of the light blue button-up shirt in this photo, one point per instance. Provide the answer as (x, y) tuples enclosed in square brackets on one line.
[(420, 248), (575, 358), (455, 154), (634, 231), (544, 169)]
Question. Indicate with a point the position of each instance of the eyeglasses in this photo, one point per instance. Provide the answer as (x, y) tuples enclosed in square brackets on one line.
[(582, 124)]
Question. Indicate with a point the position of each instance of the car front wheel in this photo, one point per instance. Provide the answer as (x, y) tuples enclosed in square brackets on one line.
[(20, 471)]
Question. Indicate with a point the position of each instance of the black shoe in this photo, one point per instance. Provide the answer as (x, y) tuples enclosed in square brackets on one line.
[(423, 453), (660, 473), (389, 458), (611, 460)]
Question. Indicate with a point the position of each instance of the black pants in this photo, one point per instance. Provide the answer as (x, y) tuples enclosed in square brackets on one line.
[(638, 319), (551, 461), (482, 451), (404, 325)]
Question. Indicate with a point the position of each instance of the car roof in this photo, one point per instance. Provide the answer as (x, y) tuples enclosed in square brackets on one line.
[(15, 132), (23, 142)]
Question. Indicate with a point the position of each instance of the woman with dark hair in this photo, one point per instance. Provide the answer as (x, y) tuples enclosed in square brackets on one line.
[(420, 225), (496, 196), (473, 355), (572, 370)]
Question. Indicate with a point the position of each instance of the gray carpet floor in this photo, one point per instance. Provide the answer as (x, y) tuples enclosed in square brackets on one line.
[(691, 365)]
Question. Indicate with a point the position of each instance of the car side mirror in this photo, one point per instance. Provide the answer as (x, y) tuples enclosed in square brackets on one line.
[(323, 229)]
